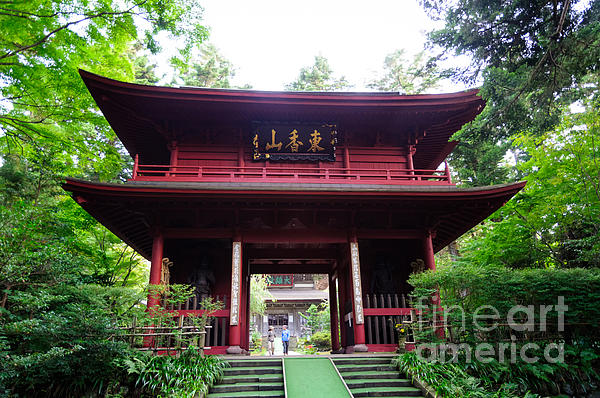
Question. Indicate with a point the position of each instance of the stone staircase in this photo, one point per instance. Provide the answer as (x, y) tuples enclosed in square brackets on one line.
[(250, 378), (373, 376)]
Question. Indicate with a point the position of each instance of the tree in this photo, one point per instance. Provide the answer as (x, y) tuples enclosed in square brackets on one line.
[(318, 77), (259, 294), (553, 222), (533, 51), (533, 57), (42, 45), (65, 281), (407, 76), (144, 70), (208, 69), (317, 317)]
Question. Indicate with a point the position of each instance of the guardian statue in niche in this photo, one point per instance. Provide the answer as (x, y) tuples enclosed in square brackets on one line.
[(203, 278), (418, 266), (383, 276)]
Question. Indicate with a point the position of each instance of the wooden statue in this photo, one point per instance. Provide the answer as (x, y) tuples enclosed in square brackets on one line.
[(418, 266), (165, 274)]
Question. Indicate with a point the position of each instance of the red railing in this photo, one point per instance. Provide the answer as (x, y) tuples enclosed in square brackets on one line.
[(287, 174)]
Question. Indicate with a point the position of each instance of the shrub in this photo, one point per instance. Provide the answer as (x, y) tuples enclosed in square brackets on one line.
[(468, 288), (183, 376), (256, 340), (321, 340), (87, 369), (473, 296)]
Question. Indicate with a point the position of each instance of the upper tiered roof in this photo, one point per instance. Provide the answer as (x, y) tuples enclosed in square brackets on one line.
[(147, 118)]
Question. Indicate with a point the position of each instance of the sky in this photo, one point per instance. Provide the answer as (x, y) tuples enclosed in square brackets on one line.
[(268, 41)]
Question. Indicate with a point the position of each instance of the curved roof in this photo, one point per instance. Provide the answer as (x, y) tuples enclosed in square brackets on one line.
[(146, 118), (130, 210)]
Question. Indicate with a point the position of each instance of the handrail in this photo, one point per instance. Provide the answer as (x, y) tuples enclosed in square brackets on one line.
[(283, 374), (323, 174), (341, 377)]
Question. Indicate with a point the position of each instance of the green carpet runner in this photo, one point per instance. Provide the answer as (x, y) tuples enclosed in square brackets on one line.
[(313, 377)]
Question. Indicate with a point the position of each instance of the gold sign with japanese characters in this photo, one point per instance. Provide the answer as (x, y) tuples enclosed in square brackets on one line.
[(294, 141)]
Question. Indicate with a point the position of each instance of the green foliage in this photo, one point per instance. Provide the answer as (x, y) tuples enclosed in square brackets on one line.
[(524, 50), (318, 77), (86, 369), (464, 289), (187, 375), (459, 380), (321, 340), (259, 294), (407, 76), (208, 69), (62, 295), (553, 222), (256, 341), (317, 317), (533, 59), (307, 347), (464, 377), (46, 112), (480, 162)]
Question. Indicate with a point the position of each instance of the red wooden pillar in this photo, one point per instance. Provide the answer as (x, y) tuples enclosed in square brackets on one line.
[(409, 158), (174, 157), (155, 273), (156, 266), (428, 250), (333, 311), (357, 301), (235, 323)]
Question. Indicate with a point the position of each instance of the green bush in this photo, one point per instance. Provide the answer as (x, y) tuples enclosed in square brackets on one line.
[(451, 380), (88, 369), (321, 340), (465, 291), (256, 340), (189, 374), (466, 288)]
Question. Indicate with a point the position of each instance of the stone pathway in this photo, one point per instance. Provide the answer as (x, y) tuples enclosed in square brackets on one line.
[(279, 349)]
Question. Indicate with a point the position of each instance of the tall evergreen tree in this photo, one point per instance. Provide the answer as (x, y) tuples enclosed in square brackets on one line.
[(408, 76), (318, 77), (209, 68), (533, 58)]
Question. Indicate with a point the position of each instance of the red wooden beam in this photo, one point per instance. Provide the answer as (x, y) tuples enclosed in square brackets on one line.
[(290, 235), (291, 254), (217, 313), (291, 268), (386, 311)]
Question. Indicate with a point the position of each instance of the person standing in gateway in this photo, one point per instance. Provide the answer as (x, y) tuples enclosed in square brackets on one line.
[(285, 339), (271, 341)]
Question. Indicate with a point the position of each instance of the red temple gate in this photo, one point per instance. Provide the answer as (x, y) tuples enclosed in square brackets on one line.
[(222, 199)]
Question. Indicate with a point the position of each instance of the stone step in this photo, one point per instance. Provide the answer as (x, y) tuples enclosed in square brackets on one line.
[(363, 360), (386, 392), (371, 383), (265, 394), (373, 374), (242, 387), (258, 370), (252, 379), (236, 363), (364, 368)]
